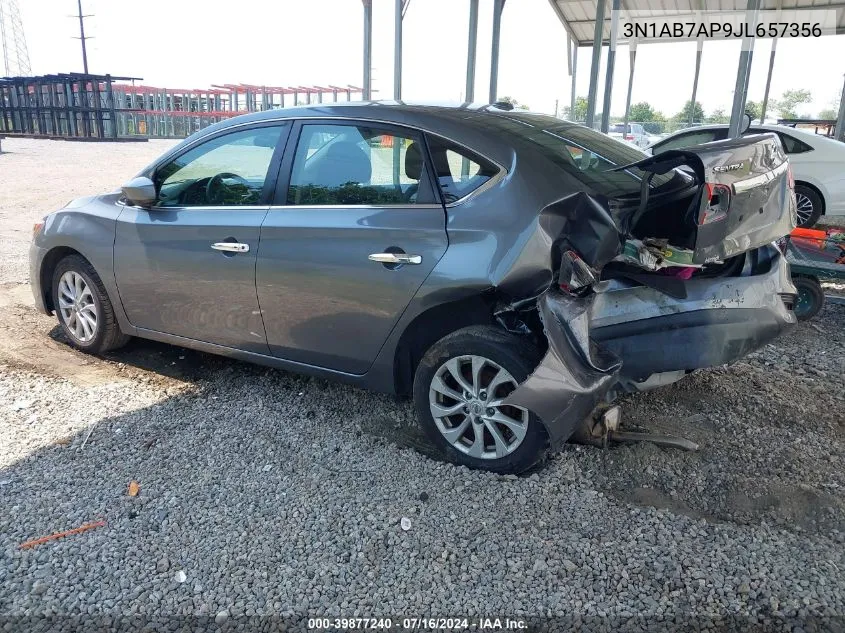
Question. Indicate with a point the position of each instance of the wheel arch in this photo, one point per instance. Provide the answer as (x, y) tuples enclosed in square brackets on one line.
[(433, 324), (809, 185), (48, 267)]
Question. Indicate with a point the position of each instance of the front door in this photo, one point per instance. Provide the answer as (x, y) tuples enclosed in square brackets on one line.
[(186, 266), (355, 231)]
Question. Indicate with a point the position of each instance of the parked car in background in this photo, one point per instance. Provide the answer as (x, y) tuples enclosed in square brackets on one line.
[(509, 271), (635, 134), (818, 164)]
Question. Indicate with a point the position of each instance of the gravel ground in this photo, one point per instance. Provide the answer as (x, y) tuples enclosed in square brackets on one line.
[(263, 493)]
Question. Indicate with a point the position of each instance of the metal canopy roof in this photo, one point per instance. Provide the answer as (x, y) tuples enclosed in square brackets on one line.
[(578, 16)]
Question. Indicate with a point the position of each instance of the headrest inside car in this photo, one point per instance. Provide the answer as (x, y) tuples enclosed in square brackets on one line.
[(413, 161), (344, 162)]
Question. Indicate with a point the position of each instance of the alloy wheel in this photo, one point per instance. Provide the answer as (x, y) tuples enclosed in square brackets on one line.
[(804, 207), (465, 398), (77, 306)]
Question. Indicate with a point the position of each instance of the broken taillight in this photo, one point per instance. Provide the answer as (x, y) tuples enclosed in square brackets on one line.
[(575, 273), (718, 203)]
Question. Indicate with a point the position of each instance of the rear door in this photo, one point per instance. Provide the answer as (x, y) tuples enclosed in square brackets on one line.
[(354, 231)]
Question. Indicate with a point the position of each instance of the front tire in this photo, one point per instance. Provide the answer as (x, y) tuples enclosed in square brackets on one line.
[(83, 307), (458, 389)]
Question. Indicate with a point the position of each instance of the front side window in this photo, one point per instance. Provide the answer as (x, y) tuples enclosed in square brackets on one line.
[(459, 171), (228, 170), (356, 165)]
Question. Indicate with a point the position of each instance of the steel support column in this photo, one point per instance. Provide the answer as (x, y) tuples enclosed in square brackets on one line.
[(698, 53), (840, 120), (573, 97), (397, 52), (471, 47), (596, 62), (498, 5), (743, 72), (368, 51), (611, 66), (768, 81), (632, 53)]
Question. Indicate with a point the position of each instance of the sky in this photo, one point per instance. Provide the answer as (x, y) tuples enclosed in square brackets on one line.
[(196, 43)]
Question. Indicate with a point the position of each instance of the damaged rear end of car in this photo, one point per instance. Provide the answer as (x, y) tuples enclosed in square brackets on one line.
[(650, 285)]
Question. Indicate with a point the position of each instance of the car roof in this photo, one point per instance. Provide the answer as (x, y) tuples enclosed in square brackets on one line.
[(389, 109), (760, 126), (484, 128)]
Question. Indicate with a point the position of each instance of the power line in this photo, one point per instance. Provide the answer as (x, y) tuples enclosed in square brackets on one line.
[(15, 52)]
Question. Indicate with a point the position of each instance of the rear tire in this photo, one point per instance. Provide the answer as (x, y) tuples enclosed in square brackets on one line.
[(83, 307), (810, 206), (810, 298), (479, 366)]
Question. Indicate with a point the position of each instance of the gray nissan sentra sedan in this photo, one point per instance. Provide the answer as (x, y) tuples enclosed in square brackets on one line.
[(512, 272)]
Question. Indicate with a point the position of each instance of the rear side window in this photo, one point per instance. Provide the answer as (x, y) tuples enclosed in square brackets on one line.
[(792, 145), (459, 171)]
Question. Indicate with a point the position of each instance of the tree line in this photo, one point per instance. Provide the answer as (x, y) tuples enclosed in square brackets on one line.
[(655, 122)]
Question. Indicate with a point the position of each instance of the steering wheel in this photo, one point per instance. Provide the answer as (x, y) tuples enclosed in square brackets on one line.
[(212, 189)]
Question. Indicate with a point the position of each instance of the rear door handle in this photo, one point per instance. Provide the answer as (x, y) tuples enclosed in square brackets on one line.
[(395, 258), (230, 247)]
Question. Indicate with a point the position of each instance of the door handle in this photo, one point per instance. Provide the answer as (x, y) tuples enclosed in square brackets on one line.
[(395, 258), (230, 247)]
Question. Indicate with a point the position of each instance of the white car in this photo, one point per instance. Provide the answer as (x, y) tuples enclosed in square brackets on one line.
[(636, 134), (818, 164)]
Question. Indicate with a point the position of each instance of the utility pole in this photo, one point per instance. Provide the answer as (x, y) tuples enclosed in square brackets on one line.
[(81, 37)]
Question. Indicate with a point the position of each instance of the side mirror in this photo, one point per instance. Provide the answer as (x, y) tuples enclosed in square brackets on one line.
[(140, 191), (745, 123)]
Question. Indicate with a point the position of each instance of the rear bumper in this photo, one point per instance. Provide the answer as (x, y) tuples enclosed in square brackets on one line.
[(616, 338), (691, 340), (720, 321)]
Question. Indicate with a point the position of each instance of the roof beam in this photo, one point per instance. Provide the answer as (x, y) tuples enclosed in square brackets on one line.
[(564, 22)]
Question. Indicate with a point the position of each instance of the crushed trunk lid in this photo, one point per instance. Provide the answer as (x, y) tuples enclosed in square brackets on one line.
[(744, 199), (739, 197)]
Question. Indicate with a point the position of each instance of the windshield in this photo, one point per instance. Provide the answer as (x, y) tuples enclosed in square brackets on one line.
[(591, 156)]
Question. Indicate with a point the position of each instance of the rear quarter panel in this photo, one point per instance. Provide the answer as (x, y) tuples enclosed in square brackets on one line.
[(494, 244), (825, 174)]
